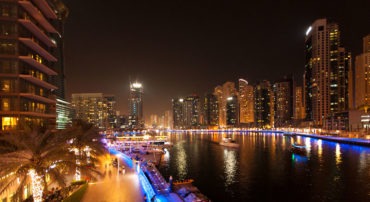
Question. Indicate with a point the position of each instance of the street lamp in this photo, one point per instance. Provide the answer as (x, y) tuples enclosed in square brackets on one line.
[(117, 163)]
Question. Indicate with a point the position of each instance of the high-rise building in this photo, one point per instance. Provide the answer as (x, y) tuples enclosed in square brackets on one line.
[(64, 114), (232, 111), (30, 61), (361, 79), (283, 101), (110, 101), (210, 110), (191, 111), (221, 110), (263, 105), (222, 93), (91, 107), (246, 102), (136, 118), (326, 71), (298, 106), (167, 120), (178, 113), (154, 121)]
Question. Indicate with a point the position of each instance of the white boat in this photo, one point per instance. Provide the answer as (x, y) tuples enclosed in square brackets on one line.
[(228, 142)]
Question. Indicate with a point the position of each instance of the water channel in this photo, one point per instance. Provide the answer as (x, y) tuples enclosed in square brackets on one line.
[(264, 169)]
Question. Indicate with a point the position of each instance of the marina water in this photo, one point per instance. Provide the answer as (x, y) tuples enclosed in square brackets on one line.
[(264, 169)]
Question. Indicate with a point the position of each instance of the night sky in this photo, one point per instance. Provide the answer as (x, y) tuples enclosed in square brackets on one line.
[(180, 47)]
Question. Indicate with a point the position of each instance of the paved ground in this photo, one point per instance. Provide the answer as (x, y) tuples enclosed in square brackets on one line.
[(115, 187)]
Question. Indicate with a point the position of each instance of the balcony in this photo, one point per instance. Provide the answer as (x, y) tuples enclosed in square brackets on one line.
[(38, 81), (34, 12), (37, 97), (37, 32), (29, 60), (45, 8), (36, 47), (29, 113)]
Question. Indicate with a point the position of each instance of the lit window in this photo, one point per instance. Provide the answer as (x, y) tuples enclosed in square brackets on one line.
[(5, 104), (8, 123)]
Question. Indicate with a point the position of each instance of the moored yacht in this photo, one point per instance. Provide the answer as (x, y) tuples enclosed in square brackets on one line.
[(228, 142)]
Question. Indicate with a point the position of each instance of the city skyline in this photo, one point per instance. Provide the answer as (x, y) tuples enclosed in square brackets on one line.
[(180, 48)]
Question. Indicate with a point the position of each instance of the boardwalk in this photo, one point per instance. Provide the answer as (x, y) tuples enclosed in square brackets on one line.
[(115, 187)]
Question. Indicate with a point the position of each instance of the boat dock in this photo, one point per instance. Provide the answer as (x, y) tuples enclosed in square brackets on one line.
[(152, 181), (159, 184)]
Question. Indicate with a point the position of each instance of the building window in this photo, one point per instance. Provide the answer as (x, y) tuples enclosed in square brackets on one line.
[(5, 104), (7, 47), (8, 123), (5, 86)]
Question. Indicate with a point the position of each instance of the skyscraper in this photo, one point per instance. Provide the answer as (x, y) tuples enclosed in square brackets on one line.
[(191, 111), (210, 109), (326, 71), (222, 93), (298, 103), (178, 113), (167, 120), (232, 111), (246, 102), (30, 61), (362, 77), (283, 101), (91, 107), (136, 119), (110, 101), (264, 106)]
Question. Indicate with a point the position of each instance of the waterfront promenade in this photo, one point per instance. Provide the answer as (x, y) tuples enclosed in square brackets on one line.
[(117, 187)]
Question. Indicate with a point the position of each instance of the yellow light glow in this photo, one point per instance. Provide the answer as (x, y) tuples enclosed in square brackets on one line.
[(37, 185)]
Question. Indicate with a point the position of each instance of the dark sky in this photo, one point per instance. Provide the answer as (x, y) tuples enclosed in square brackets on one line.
[(180, 47)]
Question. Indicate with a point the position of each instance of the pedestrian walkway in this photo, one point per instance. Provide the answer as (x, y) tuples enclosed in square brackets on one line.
[(115, 187)]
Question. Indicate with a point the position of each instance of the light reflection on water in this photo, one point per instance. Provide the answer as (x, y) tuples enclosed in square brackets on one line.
[(338, 158), (181, 161), (264, 169), (230, 166)]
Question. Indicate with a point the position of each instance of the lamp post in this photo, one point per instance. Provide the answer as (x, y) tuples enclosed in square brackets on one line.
[(117, 164)]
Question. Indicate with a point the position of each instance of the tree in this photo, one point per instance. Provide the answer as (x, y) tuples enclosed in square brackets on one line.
[(35, 155), (86, 142)]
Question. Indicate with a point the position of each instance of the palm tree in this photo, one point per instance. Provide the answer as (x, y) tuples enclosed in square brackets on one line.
[(33, 154), (85, 141)]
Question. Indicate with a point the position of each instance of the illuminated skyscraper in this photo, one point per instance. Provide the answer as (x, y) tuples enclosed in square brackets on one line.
[(178, 113), (283, 102), (246, 102), (167, 120), (362, 77), (154, 120), (110, 101), (136, 105), (210, 109), (298, 106), (191, 111), (326, 71), (232, 111), (91, 107), (30, 61), (222, 93), (263, 105)]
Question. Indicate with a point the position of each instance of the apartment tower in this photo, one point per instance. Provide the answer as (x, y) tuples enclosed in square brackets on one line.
[(136, 117), (246, 102), (326, 71), (31, 61), (362, 77)]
